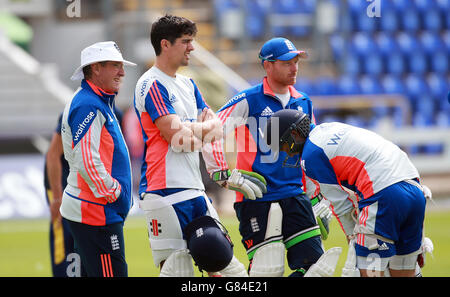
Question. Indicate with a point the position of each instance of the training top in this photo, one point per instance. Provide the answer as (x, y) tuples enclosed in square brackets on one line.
[(338, 156), (158, 94), (64, 164), (247, 114), (98, 158)]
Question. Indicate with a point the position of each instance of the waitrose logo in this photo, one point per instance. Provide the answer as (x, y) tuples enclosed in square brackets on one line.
[(83, 125)]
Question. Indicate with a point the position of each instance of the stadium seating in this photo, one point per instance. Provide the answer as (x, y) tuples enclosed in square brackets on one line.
[(392, 84), (445, 37), (374, 64), (412, 43), (337, 45), (366, 24), (398, 116), (425, 106), (443, 119), (356, 6), (400, 5), (417, 62), (222, 6), (443, 5), (416, 87), (369, 85), (418, 121), (255, 22), (348, 85), (438, 86), (407, 42), (431, 42), (395, 64), (326, 85), (390, 22), (405, 51), (440, 62), (362, 44), (289, 8), (307, 7), (432, 20), (410, 20), (386, 43), (353, 65), (305, 85)]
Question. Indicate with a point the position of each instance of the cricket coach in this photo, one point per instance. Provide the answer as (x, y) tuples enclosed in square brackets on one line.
[(98, 194)]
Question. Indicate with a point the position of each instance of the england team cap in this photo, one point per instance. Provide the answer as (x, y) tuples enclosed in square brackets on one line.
[(280, 48), (99, 52)]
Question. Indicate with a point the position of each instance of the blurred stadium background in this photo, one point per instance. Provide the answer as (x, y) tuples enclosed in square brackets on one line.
[(378, 64)]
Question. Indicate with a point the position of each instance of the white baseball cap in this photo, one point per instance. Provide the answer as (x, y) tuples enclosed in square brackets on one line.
[(99, 52)]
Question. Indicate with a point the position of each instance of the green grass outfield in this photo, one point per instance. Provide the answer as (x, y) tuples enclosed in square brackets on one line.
[(24, 247)]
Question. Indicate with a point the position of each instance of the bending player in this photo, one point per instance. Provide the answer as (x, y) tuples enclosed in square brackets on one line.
[(175, 123), (391, 201)]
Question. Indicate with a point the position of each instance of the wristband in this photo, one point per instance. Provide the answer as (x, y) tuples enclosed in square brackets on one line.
[(222, 175)]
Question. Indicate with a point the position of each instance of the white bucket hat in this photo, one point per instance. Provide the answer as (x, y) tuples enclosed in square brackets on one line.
[(99, 52)]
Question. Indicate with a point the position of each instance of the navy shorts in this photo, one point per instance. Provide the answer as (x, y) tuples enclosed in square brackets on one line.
[(101, 249), (300, 232), (396, 213)]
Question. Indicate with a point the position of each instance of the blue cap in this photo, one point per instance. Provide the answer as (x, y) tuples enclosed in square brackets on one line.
[(280, 48), (448, 97)]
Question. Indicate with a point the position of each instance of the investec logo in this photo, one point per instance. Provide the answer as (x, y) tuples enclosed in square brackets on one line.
[(83, 124)]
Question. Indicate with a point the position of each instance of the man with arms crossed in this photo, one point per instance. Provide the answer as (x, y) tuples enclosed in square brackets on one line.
[(175, 122)]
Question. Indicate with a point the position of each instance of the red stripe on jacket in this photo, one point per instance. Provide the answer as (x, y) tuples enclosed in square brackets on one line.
[(155, 156)]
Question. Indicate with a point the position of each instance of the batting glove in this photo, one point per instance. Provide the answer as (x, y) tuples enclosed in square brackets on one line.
[(323, 214), (251, 184)]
